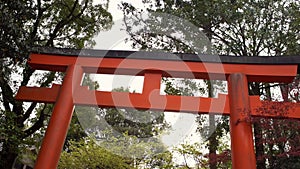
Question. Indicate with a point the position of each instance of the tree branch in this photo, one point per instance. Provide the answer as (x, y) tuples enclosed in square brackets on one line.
[(242, 34), (37, 125), (28, 112), (71, 17), (37, 22), (6, 104), (27, 72), (227, 43), (274, 85), (7, 93), (49, 79)]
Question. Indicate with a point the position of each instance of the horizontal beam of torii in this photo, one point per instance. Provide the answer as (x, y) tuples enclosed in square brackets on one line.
[(238, 71), (218, 106)]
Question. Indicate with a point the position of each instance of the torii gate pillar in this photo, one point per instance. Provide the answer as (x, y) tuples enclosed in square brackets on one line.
[(59, 122), (242, 150)]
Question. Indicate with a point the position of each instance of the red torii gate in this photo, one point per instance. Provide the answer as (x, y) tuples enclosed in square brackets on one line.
[(238, 71)]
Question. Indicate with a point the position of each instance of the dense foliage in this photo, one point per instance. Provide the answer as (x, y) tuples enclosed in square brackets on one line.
[(242, 28), (88, 154), (24, 25), (249, 28)]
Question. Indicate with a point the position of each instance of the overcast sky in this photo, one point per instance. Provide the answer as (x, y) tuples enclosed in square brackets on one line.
[(183, 125), (114, 38)]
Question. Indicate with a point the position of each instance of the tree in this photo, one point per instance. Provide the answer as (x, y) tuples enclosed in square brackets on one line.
[(88, 154), (24, 25), (248, 28), (218, 156), (161, 160), (125, 132), (161, 35)]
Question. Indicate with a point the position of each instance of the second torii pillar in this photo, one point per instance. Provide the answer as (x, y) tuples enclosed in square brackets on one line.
[(242, 146)]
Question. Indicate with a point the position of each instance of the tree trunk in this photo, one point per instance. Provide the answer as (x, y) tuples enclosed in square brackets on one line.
[(284, 92), (268, 91), (212, 141), (259, 147), (8, 155)]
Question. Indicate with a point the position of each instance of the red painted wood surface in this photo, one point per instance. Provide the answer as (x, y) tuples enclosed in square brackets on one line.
[(57, 129), (241, 135), (194, 70)]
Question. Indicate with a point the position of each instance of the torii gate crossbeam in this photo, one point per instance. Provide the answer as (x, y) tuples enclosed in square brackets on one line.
[(238, 71)]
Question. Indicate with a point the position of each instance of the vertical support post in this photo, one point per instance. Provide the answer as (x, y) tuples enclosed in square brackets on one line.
[(57, 129), (242, 147), (152, 81)]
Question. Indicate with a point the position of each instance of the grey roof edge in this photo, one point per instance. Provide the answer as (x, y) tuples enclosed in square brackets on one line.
[(158, 55)]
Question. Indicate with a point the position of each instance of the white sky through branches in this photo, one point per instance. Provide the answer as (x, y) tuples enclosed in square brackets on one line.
[(183, 124)]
